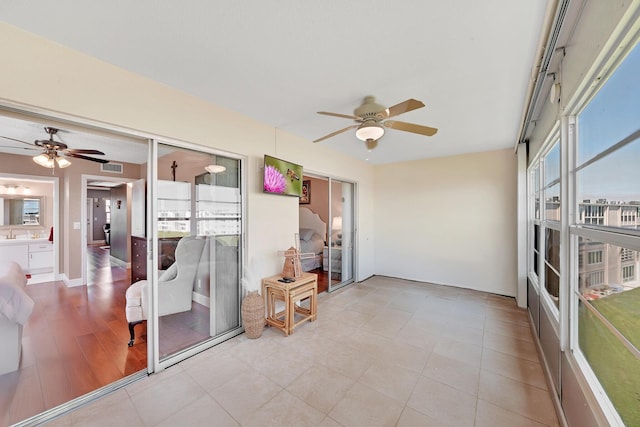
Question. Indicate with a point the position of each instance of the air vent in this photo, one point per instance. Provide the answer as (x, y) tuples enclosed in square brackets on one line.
[(111, 167)]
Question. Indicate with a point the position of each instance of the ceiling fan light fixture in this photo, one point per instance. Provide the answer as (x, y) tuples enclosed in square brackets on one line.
[(371, 144), (44, 160), (369, 130), (62, 162)]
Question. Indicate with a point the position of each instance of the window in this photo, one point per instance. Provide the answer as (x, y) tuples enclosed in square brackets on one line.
[(595, 257), (552, 183), (628, 216), (595, 278), (552, 264), (592, 214), (627, 255), (606, 289)]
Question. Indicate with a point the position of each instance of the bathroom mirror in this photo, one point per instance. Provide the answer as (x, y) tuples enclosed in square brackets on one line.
[(21, 211)]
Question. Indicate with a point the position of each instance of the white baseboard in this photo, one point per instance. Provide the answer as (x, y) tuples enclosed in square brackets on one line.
[(71, 283), (200, 299)]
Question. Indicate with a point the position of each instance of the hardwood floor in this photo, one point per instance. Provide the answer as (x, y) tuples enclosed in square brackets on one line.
[(74, 342), (323, 279)]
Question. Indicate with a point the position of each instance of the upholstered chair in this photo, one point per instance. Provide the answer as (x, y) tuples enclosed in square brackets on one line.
[(175, 285)]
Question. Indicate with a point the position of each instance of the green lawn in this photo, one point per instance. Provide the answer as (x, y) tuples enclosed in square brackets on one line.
[(617, 369)]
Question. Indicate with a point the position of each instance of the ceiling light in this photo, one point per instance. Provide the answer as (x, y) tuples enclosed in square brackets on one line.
[(215, 168), (11, 189), (62, 162), (369, 130), (44, 160), (26, 191)]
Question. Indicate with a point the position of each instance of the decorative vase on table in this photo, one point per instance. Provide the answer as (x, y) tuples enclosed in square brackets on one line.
[(253, 314)]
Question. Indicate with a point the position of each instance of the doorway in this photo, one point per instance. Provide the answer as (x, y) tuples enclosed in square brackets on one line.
[(102, 261), (327, 230)]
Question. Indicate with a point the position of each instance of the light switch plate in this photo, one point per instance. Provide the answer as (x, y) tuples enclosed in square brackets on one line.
[(76, 226)]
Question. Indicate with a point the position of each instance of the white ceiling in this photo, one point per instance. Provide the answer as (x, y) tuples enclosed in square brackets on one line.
[(281, 61)]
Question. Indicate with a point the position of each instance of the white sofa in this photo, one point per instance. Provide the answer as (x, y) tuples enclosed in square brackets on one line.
[(15, 308)]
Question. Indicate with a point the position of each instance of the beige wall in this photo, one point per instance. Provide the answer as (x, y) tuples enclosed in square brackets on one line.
[(450, 220), (88, 89)]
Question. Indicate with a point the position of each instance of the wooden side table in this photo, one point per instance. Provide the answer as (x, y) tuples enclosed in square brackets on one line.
[(291, 293)]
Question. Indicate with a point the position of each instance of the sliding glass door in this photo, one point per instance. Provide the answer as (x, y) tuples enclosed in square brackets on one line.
[(197, 241), (341, 236)]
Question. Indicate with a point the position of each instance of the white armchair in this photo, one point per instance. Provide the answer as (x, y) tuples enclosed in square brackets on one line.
[(175, 285)]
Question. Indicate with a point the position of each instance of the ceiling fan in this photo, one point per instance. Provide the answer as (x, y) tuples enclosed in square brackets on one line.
[(372, 118), (54, 152)]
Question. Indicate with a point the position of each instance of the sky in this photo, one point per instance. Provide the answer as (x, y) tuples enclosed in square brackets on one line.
[(612, 115)]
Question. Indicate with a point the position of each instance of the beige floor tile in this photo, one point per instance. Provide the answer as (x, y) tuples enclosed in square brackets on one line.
[(512, 346), (387, 322), (516, 368), (417, 336), (443, 403), (514, 315), (412, 418), (406, 301), (388, 378), (489, 415), (366, 407), (284, 410), (405, 355), (353, 318), (321, 387), (463, 333), (166, 398), (385, 352), (283, 367), (457, 350), (114, 409), (244, 394), (153, 380), (202, 412), (329, 422), (509, 329), (457, 374), (369, 343), (514, 396), (343, 358), (217, 371)]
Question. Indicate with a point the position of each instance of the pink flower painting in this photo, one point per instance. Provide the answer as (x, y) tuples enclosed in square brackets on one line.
[(273, 180)]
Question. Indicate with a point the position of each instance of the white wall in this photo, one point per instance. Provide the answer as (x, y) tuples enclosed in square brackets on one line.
[(449, 220), (43, 74)]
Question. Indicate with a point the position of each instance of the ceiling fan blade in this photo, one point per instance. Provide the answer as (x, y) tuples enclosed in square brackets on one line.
[(16, 140), (410, 127), (404, 107), (19, 148), (336, 133), (80, 156), (81, 151), (344, 116)]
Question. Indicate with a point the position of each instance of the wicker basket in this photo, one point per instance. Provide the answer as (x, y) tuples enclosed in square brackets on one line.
[(253, 314)]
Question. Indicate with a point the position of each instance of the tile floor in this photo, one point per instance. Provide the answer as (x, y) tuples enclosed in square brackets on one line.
[(385, 352)]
